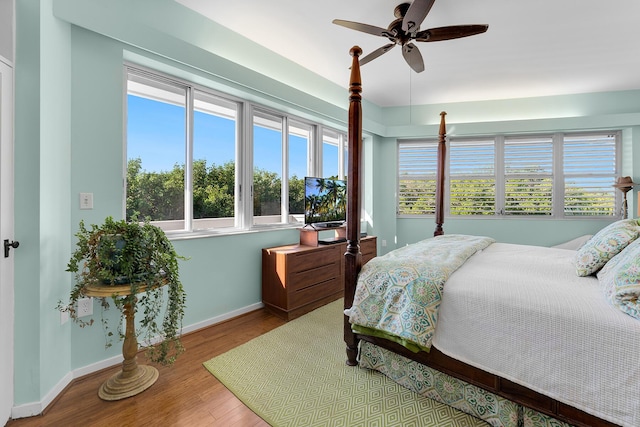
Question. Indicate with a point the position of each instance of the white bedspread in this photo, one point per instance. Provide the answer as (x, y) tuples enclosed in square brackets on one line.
[(521, 312)]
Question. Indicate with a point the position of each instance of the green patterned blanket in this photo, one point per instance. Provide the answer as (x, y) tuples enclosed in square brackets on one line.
[(398, 294)]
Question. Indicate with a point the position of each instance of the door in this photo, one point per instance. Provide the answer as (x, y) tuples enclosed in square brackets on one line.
[(6, 232)]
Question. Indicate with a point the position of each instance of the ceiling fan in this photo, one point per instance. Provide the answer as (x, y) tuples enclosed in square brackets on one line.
[(406, 27)]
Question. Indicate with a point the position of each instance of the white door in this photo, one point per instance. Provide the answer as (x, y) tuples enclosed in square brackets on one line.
[(6, 232)]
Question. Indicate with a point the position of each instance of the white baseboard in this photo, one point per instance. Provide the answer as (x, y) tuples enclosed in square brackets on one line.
[(36, 408), (6, 61), (230, 315), (95, 367)]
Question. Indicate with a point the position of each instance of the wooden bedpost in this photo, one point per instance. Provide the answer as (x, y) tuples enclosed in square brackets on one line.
[(352, 260), (442, 152)]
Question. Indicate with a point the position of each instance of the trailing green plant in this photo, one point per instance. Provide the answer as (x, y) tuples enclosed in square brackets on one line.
[(141, 256)]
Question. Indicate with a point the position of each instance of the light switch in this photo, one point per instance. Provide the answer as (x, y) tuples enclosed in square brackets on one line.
[(86, 200)]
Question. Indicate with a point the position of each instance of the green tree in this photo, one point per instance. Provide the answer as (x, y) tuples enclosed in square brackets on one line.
[(160, 195), (157, 195), (213, 190), (523, 196), (267, 189), (296, 195)]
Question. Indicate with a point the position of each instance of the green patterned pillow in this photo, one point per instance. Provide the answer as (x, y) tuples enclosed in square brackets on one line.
[(620, 280), (607, 243)]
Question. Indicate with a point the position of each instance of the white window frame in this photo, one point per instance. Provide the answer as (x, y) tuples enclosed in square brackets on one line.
[(243, 203)]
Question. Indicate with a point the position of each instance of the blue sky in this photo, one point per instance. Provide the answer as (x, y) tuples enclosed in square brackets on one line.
[(155, 134)]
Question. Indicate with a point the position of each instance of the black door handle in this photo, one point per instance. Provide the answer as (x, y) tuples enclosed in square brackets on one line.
[(8, 245)]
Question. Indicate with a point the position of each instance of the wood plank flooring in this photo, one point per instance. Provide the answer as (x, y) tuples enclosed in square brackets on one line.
[(185, 394)]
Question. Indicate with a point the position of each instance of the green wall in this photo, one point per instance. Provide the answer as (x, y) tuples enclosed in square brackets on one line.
[(42, 165), (69, 139)]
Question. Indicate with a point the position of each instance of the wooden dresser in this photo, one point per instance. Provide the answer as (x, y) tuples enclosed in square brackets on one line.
[(299, 278)]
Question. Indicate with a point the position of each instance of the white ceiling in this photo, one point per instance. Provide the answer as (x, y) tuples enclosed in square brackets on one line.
[(532, 48)]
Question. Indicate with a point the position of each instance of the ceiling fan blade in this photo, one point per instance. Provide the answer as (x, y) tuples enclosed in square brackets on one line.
[(413, 57), (365, 28), (415, 15), (449, 33), (376, 53)]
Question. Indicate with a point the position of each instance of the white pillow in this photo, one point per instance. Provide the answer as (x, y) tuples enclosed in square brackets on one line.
[(604, 245)]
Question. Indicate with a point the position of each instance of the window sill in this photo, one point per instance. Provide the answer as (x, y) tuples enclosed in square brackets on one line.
[(200, 234)]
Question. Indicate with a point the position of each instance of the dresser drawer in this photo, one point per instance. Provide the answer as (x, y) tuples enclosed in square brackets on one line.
[(314, 292), (302, 279), (306, 260)]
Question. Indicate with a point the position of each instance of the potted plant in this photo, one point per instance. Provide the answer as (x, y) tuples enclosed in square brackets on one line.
[(140, 256)]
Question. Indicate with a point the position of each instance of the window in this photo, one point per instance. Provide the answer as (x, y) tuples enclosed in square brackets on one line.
[(334, 154), (472, 177), (301, 142), (156, 129), (590, 168), (528, 176), (554, 175), (268, 144), (193, 164), (215, 137), (417, 167)]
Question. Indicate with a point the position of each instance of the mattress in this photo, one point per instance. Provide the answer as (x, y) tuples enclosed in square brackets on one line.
[(522, 313)]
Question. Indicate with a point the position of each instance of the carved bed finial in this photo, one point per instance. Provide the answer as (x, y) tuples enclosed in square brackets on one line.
[(355, 81)]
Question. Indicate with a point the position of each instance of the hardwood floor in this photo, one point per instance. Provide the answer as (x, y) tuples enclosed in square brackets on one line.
[(185, 394)]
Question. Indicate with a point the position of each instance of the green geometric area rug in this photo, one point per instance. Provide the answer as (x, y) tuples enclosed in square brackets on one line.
[(295, 375)]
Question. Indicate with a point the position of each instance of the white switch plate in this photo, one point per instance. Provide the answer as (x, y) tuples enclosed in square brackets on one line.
[(86, 200)]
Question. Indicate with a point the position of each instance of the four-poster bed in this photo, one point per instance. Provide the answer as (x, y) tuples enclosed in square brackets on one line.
[(505, 392)]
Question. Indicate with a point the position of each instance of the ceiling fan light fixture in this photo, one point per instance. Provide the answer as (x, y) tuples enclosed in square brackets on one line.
[(405, 28)]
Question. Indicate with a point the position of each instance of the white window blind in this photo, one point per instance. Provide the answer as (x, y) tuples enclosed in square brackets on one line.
[(528, 179), (555, 175), (417, 167), (472, 183), (589, 173)]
